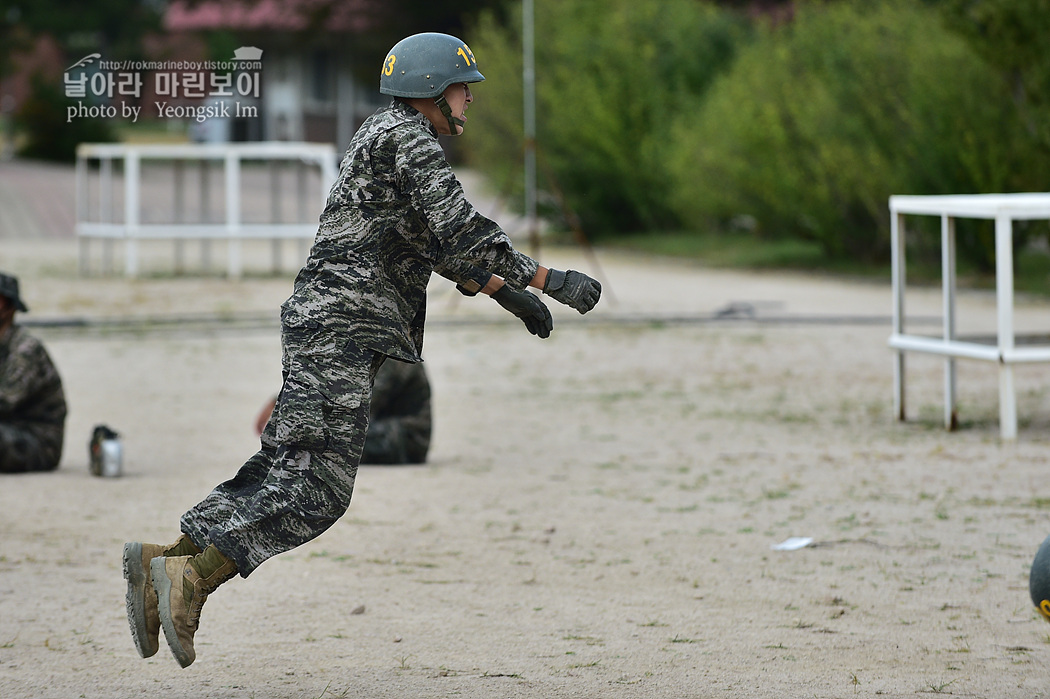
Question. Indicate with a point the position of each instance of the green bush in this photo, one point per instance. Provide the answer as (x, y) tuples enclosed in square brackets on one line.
[(48, 134), (820, 121), (609, 85)]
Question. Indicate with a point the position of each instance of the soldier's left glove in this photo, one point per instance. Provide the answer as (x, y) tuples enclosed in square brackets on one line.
[(528, 307), (574, 289)]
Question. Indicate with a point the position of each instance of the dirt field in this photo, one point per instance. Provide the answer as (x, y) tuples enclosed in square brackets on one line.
[(597, 516)]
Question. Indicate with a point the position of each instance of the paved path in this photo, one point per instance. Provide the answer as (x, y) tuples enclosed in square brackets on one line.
[(36, 200)]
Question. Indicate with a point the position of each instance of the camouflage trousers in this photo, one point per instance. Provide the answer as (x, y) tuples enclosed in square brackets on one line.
[(300, 481), (22, 450)]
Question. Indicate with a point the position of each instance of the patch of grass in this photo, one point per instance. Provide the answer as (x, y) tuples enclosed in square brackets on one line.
[(938, 688), (744, 250), (448, 672), (577, 666), (589, 640), (654, 623), (739, 250), (679, 639), (324, 692)]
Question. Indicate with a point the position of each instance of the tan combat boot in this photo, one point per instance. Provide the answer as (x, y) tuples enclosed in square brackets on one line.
[(143, 617), (183, 583)]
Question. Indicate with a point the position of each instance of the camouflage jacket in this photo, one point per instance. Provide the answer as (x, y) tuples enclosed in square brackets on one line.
[(31, 395), (395, 214)]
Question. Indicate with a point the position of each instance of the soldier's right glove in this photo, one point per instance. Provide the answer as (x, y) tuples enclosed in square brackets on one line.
[(528, 307), (574, 289)]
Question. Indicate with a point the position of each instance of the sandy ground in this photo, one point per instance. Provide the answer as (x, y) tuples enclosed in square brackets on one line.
[(597, 516)]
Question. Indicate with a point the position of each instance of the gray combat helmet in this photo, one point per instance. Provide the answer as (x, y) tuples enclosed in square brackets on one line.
[(423, 65), (1039, 579)]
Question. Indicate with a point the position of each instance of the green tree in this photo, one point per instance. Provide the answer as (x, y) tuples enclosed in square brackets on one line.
[(392, 20), (49, 135), (819, 122), (609, 82), (1012, 36), (117, 26)]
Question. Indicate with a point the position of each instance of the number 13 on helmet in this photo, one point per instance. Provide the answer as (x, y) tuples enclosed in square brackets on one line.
[(423, 65)]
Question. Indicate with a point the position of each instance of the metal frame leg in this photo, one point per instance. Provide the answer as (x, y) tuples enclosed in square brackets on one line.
[(951, 418), (897, 272), (1004, 297)]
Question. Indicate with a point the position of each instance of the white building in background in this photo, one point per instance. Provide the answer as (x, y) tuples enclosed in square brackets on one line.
[(308, 91)]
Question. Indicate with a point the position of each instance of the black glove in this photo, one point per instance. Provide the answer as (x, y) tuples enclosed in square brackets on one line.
[(574, 289), (528, 307)]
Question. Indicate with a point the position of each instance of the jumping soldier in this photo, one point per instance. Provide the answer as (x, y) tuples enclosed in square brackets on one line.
[(395, 214)]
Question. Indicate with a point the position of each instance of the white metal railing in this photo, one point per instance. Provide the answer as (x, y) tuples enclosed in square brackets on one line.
[(232, 228), (1004, 209)]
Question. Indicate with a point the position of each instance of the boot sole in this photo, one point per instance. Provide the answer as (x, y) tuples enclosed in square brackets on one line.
[(162, 586), (135, 574)]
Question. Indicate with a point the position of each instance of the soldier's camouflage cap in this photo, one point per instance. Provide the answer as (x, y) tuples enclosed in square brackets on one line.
[(9, 289)]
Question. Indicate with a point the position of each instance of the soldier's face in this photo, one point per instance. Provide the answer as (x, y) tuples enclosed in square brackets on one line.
[(458, 97), (7, 311)]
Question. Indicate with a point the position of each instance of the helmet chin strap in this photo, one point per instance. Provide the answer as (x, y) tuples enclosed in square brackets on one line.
[(453, 122)]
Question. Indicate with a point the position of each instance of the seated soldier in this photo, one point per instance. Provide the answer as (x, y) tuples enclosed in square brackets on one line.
[(32, 403), (399, 417)]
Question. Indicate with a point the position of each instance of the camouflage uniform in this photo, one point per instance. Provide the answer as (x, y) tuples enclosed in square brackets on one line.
[(395, 214), (399, 422), (32, 405)]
